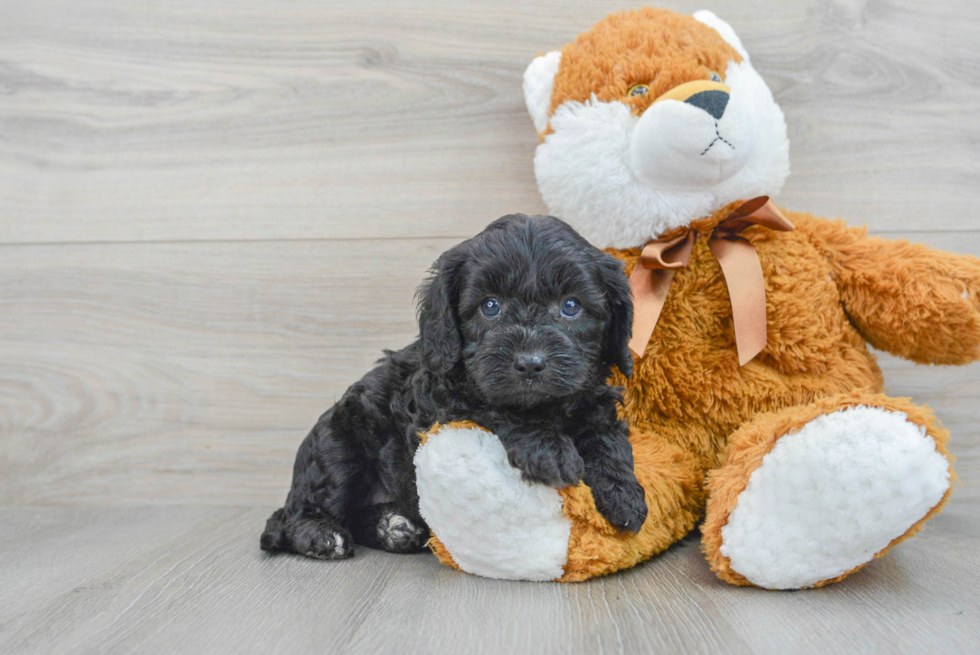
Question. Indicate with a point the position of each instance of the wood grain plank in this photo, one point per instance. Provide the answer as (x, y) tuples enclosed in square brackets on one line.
[(188, 373), (248, 193), (247, 120), (79, 554), (185, 372), (198, 583)]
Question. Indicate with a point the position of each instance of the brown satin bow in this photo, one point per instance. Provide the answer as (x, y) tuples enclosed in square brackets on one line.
[(739, 263)]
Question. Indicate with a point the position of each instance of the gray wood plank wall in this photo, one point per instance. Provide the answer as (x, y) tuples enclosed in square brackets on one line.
[(213, 214)]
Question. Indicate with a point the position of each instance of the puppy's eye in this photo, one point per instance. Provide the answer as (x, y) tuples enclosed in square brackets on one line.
[(571, 308), (715, 77), (490, 308), (638, 90)]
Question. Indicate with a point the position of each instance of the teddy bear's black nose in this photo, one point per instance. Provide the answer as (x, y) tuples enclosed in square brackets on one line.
[(713, 102)]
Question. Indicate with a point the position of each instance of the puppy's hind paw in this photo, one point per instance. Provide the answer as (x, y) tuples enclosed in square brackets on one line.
[(272, 536), (322, 539), (398, 534)]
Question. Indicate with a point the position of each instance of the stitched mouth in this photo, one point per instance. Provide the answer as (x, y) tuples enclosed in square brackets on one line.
[(718, 137)]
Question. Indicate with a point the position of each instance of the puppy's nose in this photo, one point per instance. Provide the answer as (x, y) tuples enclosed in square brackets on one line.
[(713, 102), (530, 365)]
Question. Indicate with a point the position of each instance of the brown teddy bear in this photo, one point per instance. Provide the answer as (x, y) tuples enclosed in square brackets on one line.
[(755, 404)]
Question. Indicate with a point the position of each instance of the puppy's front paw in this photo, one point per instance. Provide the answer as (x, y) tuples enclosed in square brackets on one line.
[(623, 505), (556, 465)]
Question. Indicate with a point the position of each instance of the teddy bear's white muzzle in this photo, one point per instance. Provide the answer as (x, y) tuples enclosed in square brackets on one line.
[(682, 146)]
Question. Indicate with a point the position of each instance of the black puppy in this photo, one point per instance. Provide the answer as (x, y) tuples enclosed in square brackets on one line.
[(518, 329)]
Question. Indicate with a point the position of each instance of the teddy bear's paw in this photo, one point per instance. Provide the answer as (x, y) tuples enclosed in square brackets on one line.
[(492, 522), (831, 496)]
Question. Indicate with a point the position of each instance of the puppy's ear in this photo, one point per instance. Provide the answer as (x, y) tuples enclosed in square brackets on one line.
[(440, 340), (620, 314)]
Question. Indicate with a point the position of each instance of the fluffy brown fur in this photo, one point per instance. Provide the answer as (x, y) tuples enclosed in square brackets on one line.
[(695, 413), (647, 46), (830, 289), (700, 423)]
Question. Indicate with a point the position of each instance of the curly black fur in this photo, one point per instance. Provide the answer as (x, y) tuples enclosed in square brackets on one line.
[(354, 479)]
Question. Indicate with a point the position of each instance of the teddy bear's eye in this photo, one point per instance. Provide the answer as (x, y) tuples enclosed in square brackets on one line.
[(638, 90), (715, 77)]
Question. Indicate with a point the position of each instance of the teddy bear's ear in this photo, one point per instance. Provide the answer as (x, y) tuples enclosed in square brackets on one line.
[(723, 28), (539, 79)]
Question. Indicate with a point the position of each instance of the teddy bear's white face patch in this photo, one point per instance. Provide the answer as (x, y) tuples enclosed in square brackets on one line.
[(622, 180), (678, 145)]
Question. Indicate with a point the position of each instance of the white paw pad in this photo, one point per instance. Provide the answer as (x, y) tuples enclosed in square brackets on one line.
[(338, 549), (492, 522), (832, 495)]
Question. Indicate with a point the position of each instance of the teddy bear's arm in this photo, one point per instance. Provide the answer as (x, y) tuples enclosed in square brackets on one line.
[(905, 298)]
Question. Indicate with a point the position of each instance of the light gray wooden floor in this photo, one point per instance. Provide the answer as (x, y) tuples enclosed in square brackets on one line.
[(213, 214), (183, 580)]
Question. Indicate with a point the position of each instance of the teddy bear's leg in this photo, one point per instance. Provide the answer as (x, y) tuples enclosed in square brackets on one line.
[(673, 487), (488, 521), (807, 495)]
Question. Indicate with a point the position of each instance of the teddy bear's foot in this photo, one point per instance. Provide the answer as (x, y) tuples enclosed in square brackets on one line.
[(489, 521), (810, 494)]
